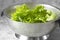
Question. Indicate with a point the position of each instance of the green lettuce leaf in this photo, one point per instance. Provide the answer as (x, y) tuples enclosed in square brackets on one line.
[(36, 15)]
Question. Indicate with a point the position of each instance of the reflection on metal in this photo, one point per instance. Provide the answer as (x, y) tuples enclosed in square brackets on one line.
[(22, 37)]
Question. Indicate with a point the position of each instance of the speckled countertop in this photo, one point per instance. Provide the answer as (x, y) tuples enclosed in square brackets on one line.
[(7, 34)]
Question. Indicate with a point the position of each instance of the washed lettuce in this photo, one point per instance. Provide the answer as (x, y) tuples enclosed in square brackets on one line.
[(36, 15)]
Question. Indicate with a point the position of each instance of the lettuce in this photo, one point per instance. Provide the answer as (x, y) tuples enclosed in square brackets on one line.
[(36, 15)]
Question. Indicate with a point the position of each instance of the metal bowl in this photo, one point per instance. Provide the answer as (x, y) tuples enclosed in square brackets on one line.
[(28, 29)]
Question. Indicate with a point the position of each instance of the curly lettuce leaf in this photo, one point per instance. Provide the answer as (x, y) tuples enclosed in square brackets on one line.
[(36, 15)]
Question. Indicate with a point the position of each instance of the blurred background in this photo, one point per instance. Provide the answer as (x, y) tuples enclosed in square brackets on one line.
[(7, 34)]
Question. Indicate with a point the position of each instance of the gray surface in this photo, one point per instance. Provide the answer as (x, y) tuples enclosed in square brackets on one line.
[(7, 34)]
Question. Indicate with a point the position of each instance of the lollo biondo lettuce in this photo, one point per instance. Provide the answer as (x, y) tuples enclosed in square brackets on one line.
[(36, 15)]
